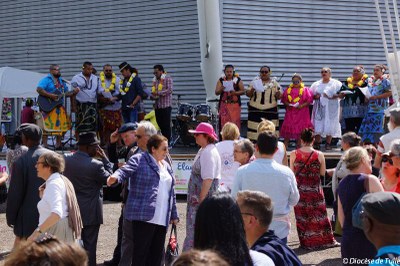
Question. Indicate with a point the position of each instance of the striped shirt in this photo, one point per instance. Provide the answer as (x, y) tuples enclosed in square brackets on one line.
[(165, 95)]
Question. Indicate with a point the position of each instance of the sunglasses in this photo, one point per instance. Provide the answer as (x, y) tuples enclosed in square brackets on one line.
[(324, 71), (387, 159), (264, 72)]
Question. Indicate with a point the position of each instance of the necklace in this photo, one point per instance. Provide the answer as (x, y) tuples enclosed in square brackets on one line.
[(160, 85), (350, 82), (123, 91), (103, 82), (289, 91)]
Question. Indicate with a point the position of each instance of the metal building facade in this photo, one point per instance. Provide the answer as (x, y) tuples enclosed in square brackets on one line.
[(35, 34), (288, 35)]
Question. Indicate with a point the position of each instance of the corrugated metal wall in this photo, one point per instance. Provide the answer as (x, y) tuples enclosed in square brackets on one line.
[(35, 34), (300, 36)]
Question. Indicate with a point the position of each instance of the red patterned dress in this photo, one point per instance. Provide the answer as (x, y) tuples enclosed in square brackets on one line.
[(313, 226)]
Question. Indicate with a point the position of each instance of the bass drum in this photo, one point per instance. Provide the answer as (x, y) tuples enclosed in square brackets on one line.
[(186, 137)]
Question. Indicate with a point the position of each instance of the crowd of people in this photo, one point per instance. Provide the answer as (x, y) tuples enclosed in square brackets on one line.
[(240, 192)]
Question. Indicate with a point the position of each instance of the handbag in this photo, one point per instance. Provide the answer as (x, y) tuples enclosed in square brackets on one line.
[(172, 251), (3, 193), (356, 218)]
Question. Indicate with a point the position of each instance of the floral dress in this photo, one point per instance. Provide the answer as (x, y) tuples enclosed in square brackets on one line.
[(372, 126), (207, 163)]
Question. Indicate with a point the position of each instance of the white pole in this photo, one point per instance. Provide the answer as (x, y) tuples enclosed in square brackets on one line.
[(396, 56)]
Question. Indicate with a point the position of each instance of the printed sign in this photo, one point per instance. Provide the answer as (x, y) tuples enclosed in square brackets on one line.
[(182, 170), (3, 166)]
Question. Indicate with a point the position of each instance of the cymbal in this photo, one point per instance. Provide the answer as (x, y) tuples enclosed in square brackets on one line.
[(213, 101)]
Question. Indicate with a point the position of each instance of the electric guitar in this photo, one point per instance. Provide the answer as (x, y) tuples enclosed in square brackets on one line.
[(47, 104)]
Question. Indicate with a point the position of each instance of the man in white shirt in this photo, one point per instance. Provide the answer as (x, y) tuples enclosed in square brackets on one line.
[(276, 180), (88, 86), (386, 140)]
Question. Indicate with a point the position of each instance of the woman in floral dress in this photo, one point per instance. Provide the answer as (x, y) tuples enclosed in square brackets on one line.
[(205, 176), (296, 98), (372, 126), (313, 226)]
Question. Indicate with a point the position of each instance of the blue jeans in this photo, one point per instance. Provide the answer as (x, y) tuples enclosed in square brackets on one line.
[(130, 115)]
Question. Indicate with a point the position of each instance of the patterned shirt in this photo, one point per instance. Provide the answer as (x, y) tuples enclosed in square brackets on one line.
[(47, 83), (165, 95)]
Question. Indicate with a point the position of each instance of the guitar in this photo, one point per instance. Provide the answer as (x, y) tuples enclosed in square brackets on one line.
[(47, 104)]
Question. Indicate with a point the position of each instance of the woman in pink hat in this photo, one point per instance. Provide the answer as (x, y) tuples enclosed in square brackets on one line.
[(204, 179)]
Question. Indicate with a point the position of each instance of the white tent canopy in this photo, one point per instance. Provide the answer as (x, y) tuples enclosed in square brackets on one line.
[(16, 83)]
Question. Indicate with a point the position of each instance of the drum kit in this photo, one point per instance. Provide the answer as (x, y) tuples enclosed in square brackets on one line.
[(188, 117)]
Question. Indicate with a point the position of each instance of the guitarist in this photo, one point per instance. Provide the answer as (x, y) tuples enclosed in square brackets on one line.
[(51, 87)]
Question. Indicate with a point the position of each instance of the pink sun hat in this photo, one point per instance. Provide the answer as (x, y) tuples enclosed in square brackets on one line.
[(205, 128)]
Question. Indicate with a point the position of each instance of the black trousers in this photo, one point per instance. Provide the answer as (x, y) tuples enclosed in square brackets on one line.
[(163, 117), (89, 235), (148, 243), (117, 250), (353, 124)]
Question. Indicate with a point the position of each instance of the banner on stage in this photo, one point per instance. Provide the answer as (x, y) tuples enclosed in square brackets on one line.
[(182, 170)]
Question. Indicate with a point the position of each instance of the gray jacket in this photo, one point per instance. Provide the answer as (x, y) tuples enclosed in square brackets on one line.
[(88, 175)]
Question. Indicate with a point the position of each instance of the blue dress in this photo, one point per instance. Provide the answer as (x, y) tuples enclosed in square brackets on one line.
[(373, 123), (354, 242)]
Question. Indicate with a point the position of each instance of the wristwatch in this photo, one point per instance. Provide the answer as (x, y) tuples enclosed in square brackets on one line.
[(38, 230)]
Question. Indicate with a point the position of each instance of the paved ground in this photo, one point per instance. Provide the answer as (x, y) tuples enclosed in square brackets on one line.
[(108, 235)]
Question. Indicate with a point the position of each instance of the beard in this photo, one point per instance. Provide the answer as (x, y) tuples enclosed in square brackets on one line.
[(57, 75), (390, 127), (108, 76)]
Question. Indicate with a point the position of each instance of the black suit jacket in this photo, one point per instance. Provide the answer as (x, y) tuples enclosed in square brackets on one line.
[(23, 195), (88, 175)]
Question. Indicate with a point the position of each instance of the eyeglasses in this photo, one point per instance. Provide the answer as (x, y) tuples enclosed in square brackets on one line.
[(387, 159), (264, 72)]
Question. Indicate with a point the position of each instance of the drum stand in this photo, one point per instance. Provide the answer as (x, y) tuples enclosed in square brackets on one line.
[(215, 118)]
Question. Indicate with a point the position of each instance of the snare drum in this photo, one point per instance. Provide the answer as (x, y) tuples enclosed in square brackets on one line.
[(185, 112), (203, 113)]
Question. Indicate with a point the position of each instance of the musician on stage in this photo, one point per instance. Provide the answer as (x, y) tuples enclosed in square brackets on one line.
[(161, 92), (55, 118), (88, 86), (109, 106), (131, 92), (264, 93)]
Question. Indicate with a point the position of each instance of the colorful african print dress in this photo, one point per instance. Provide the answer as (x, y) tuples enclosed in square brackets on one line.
[(372, 126), (313, 226)]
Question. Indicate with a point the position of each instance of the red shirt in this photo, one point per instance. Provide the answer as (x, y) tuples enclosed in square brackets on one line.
[(27, 115)]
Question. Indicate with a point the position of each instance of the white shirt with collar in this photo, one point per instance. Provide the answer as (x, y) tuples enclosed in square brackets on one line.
[(88, 89), (54, 199)]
